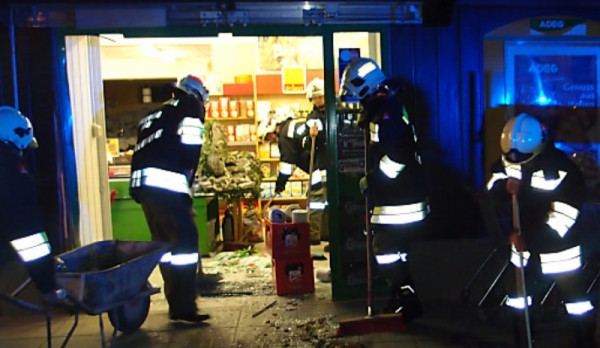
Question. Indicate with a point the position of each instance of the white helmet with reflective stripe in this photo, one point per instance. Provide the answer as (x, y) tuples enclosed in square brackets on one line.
[(193, 85), (362, 77), (316, 88), (15, 128), (267, 126), (522, 138)]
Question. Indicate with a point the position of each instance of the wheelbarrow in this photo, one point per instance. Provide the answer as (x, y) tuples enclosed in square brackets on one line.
[(105, 277)]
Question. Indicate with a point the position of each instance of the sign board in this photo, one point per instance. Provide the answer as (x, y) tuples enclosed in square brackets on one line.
[(293, 79), (561, 80), (557, 26)]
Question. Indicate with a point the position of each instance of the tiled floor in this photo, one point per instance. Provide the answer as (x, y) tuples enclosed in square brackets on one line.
[(298, 321)]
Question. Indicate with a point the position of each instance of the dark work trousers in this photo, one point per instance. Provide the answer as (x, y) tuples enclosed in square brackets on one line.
[(394, 239), (170, 217), (319, 225), (570, 285)]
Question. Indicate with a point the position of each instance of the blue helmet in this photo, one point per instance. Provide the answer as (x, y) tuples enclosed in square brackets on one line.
[(15, 128), (194, 86), (362, 77)]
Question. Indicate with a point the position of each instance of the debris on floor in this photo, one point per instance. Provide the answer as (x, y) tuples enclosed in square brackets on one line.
[(283, 328), (243, 272)]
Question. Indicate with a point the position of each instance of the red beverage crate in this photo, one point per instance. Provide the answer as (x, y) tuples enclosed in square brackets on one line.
[(287, 240), (293, 276)]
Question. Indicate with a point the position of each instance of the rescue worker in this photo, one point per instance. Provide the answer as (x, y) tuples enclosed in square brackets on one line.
[(290, 134), (163, 167), (550, 190), (318, 191), (22, 224), (395, 189)]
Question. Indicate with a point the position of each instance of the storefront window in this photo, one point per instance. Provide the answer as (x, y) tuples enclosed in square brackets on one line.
[(553, 76)]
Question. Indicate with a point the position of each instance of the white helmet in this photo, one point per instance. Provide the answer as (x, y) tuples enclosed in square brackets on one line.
[(15, 128), (193, 85), (523, 138), (316, 88), (267, 126), (362, 77)]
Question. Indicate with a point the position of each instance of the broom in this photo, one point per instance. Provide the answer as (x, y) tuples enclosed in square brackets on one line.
[(370, 323), (520, 274)]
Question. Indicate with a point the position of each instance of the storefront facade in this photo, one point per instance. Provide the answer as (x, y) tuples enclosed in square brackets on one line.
[(440, 57)]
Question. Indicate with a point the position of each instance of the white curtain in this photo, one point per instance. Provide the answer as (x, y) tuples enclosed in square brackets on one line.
[(87, 103)]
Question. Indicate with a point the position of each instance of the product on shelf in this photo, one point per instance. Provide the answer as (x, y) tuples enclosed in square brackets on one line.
[(224, 103), (250, 108), (214, 109), (233, 108)]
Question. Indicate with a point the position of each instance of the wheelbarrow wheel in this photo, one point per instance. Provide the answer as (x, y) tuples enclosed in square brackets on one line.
[(130, 316)]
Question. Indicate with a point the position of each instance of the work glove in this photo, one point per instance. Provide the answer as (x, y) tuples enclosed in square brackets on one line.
[(513, 186), (362, 183)]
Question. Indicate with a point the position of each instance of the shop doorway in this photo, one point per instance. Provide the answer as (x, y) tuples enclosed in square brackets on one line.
[(250, 78)]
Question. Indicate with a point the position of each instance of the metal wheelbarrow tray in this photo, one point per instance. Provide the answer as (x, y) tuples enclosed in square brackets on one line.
[(103, 274), (112, 277)]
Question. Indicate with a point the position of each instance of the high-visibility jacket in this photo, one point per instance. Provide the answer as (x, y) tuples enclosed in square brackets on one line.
[(551, 193), (397, 193), (317, 118), (292, 134), (21, 221), (168, 146)]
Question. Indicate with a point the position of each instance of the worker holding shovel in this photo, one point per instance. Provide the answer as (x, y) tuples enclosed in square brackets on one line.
[(542, 189)]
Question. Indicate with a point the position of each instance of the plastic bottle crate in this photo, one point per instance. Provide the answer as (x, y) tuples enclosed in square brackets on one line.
[(287, 240), (293, 275)]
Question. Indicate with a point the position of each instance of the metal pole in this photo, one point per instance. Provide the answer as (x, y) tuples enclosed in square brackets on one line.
[(368, 231), (521, 270), (13, 53)]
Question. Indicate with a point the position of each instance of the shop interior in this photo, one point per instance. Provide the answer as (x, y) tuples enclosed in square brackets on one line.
[(250, 79)]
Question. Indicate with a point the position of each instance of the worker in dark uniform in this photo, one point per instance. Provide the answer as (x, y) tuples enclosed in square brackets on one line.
[(395, 188), (290, 134), (550, 190), (163, 167), (21, 222), (318, 191)]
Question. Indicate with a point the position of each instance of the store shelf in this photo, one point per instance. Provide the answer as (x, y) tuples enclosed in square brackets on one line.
[(232, 119), (290, 179), (242, 143), (284, 199), (269, 159), (238, 89)]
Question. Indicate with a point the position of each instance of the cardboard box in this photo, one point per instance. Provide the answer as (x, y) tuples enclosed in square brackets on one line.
[(293, 276), (287, 240)]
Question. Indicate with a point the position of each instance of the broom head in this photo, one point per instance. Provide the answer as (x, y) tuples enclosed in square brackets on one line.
[(371, 324)]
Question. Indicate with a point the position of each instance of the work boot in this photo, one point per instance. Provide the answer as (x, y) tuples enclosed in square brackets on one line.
[(404, 301), (519, 329), (584, 328), (191, 317)]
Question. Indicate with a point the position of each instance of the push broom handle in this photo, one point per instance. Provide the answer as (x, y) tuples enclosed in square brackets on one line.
[(520, 274), (311, 167), (368, 232)]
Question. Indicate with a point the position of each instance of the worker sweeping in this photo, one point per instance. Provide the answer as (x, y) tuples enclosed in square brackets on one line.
[(22, 224), (548, 189), (162, 173), (316, 122), (290, 133), (395, 188)]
